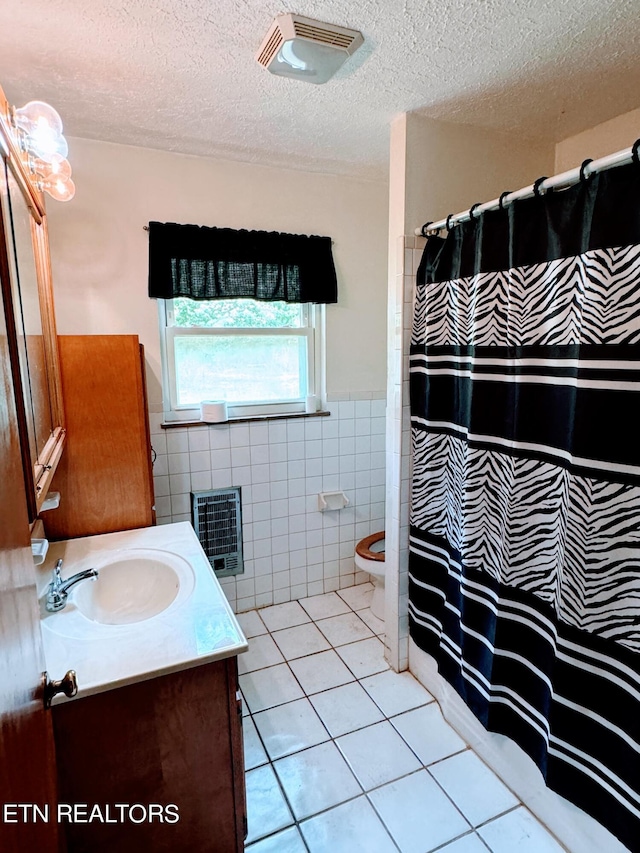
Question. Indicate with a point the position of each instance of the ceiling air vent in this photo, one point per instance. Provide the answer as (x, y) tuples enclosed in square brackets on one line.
[(271, 45), (218, 524), (305, 28), (306, 49)]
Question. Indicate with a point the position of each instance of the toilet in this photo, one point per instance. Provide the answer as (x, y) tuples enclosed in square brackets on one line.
[(369, 557)]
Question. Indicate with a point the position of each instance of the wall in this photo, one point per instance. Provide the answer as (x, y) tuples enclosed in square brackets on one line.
[(99, 248), (99, 256), (291, 549), (449, 166), (606, 138), (435, 168)]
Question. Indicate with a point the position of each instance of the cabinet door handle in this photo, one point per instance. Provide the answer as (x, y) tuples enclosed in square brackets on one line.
[(67, 685)]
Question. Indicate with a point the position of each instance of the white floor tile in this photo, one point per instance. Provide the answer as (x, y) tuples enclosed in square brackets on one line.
[(428, 733), (254, 754), (323, 780), (518, 832), (395, 692), (376, 625), (262, 652), (251, 624), (351, 828), (283, 616), (417, 814), (268, 687), (323, 606), (288, 841), (300, 641), (473, 787), (316, 779), (320, 672), (289, 728), (267, 810), (357, 597), (364, 658), (345, 628), (471, 843), (345, 709), (377, 755)]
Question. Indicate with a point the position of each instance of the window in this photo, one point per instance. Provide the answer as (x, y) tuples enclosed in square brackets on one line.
[(242, 316), (260, 357)]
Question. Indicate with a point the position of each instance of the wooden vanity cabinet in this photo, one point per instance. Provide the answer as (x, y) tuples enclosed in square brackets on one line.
[(175, 739)]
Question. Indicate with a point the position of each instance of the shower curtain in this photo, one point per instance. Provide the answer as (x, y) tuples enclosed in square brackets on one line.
[(524, 567)]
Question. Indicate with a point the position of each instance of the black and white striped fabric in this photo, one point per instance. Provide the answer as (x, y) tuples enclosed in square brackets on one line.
[(525, 518)]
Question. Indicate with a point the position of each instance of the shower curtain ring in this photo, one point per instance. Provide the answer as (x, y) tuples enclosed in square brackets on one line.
[(634, 152), (503, 195), (425, 228), (448, 224), (537, 184), (583, 174), (472, 210)]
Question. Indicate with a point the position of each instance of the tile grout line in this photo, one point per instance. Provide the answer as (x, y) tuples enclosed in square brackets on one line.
[(271, 762), (331, 739), (312, 654), (473, 830)]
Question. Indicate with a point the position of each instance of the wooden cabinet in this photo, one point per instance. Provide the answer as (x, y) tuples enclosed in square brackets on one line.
[(105, 477), (177, 740)]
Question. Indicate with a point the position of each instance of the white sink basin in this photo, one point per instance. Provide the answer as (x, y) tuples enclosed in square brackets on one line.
[(155, 608), (133, 586)]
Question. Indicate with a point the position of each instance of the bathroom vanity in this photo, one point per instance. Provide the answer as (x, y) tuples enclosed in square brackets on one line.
[(155, 730)]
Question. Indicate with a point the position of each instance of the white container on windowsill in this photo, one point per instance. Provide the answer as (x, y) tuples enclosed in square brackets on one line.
[(311, 404), (213, 412)]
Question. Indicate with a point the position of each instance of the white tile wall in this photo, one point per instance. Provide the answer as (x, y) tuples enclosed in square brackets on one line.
[(398, 447), (291, 550)]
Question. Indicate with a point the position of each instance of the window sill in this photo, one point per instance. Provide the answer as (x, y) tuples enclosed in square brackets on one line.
[(286, 416)]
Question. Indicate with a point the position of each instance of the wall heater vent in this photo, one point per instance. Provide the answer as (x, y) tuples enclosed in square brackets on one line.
[(217, 521)]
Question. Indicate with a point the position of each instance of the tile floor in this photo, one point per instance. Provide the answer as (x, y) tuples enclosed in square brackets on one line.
[(344, 755)]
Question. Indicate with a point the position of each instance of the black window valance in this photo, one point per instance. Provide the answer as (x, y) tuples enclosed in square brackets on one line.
[(221, 263)]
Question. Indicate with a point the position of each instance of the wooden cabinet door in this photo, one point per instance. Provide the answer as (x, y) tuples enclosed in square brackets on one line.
[(104, 477), (27, 757), (175, 739)]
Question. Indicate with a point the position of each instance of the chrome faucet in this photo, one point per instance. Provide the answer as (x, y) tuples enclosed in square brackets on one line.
[(59, 589)]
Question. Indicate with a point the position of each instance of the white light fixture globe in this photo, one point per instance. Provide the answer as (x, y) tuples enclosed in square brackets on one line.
[(306, 49), (42, 126), (37, 131), (38, 114)]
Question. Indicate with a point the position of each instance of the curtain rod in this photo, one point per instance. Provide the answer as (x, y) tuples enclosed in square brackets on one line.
[(542, 185)]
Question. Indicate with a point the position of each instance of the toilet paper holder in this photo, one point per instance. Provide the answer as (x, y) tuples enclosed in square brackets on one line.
[(332, 501)]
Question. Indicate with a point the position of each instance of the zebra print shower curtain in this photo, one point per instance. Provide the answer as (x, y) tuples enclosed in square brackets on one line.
[(524, 573)]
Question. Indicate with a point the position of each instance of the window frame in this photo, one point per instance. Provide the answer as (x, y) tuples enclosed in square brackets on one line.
[(312, 329)]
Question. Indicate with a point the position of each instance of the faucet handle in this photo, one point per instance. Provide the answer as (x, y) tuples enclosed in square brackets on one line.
[(56, 578)]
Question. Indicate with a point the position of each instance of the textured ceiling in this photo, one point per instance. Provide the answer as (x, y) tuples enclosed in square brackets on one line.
[(180, 74)]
